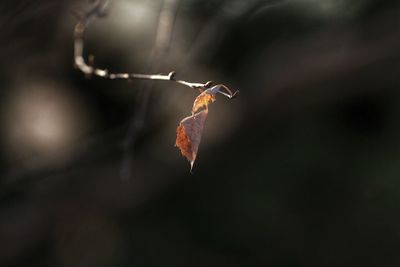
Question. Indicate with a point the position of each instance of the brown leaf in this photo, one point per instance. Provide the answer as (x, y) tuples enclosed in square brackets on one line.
[(203, 100), (190, 129), (188, 135)]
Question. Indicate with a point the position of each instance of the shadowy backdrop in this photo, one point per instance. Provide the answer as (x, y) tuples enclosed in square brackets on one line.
[(302, 169)]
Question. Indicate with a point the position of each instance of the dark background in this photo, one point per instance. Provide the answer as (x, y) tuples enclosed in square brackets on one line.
[(302, 169)]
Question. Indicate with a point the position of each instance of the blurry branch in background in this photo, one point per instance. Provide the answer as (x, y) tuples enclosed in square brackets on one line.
[(99, 10), (165, 28), (214, 30), (165, 25)]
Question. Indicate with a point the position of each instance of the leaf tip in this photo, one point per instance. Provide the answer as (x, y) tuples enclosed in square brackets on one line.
[(191, 166)]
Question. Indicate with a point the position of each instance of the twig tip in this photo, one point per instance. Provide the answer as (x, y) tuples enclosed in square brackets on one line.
[(171, 75)]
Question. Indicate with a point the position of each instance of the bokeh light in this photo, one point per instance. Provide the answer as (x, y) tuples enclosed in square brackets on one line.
[(42, 121)]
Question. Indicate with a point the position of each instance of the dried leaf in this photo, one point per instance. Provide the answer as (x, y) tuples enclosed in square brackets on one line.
[(190, 129), (188, 135), (203, 100), (208, 96)]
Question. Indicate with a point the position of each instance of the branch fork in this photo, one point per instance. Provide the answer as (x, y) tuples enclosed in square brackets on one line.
[(98, 10)]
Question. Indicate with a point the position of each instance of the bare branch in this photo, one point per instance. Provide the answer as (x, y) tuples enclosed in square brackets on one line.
[(98, 10)]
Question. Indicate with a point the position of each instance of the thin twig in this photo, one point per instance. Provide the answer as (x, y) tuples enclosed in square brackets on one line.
[(98, 10)]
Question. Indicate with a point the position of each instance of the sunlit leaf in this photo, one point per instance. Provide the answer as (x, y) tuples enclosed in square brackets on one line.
[(188, 135)]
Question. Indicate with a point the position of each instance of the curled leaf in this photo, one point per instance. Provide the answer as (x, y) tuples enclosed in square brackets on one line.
[(208, 96), (190, 129), (188, 135), (202, 101)]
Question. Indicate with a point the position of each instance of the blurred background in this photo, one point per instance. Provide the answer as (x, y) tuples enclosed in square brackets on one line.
[(302, 169)]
